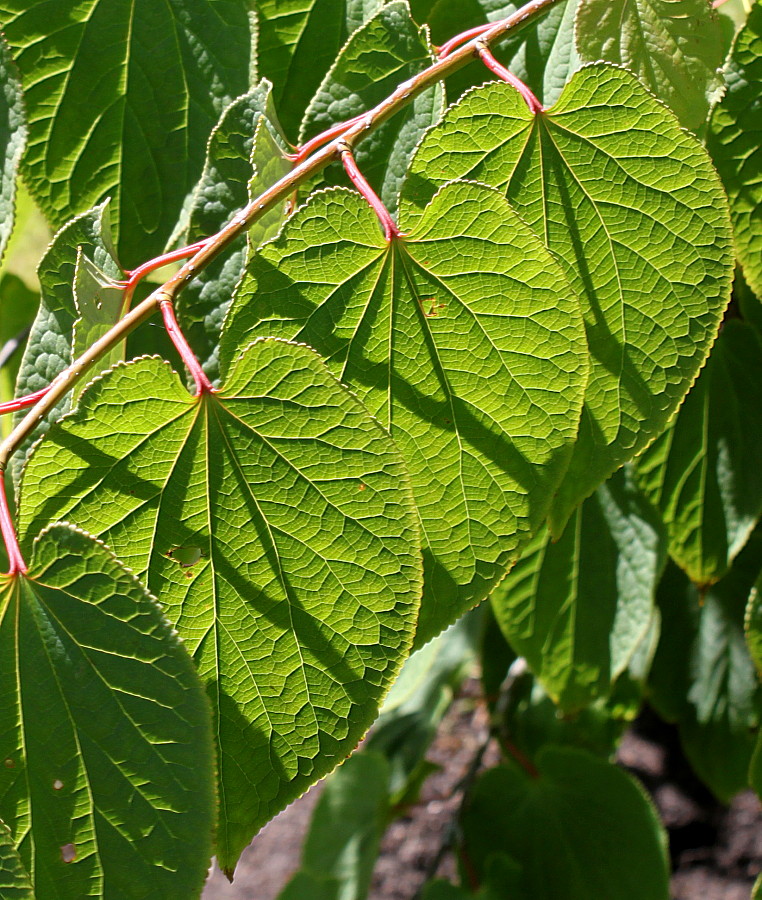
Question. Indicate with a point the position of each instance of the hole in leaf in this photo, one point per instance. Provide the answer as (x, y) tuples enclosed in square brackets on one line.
[(9, 764), (57, 784), (185, 556), (68, 853), (361, 487)]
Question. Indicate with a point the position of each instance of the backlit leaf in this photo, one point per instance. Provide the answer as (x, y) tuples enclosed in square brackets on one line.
[(466, 342), (14, 880), (301, 603), (632, 207), (121, 96), (105, 738)]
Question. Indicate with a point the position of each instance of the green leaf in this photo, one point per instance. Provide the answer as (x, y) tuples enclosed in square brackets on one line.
[(345, 832), (633, 209), (106, 741), (531, 721), (386, 51), (17, 309), (577, 609), (13, 134), (298, 43), (584, 829), (404, 325), (49, 346), (302, 603), (703, 473), (245, 155), (702, 675), (735, 142), (753, 627), (100, 303), (543, 54), (417, 703), (675, 47), (121, 97), (14, 880)]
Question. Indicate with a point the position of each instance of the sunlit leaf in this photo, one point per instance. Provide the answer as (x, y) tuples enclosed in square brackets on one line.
[(633, 209), (301, 604), (466, 342), (106, 743)]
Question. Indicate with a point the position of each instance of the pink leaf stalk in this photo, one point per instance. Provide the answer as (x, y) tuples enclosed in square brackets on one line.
[(22, 402), (500, 70), (15, 559), (328, 135), (358, 180), (463, 38), (203, 385)]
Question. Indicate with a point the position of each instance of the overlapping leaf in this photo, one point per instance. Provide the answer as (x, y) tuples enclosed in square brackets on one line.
[(388, 50), (121, 97), (298, 43), (274, 520), (244, 157), (577, 609), (14, 880), (13, 133), (703, 473), (105, 734), (582, 829), (49, 347), (631, 206), (702, 676), (735, 142), (463, 338), (675, 47)]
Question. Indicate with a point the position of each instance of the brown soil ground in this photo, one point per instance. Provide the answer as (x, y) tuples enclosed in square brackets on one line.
[(716, 851)]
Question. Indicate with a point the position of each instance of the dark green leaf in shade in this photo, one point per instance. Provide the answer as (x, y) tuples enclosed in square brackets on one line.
[(107, 776), (302, 601), (14, 879), (529, 720), (298, 43), (577, 609), (735, 142), (13, 135), (49, 346), (345, 831), (245, 155), (417, 703), (630, 204), (702, 676), (466, 342), (582, 829), (703, 472), (386, 51), (675, 47), (121, 96)]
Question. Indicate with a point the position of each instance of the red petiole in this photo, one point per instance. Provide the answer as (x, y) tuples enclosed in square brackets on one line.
[(15, 559), (358, 180), (500, 70), (328, 135)]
